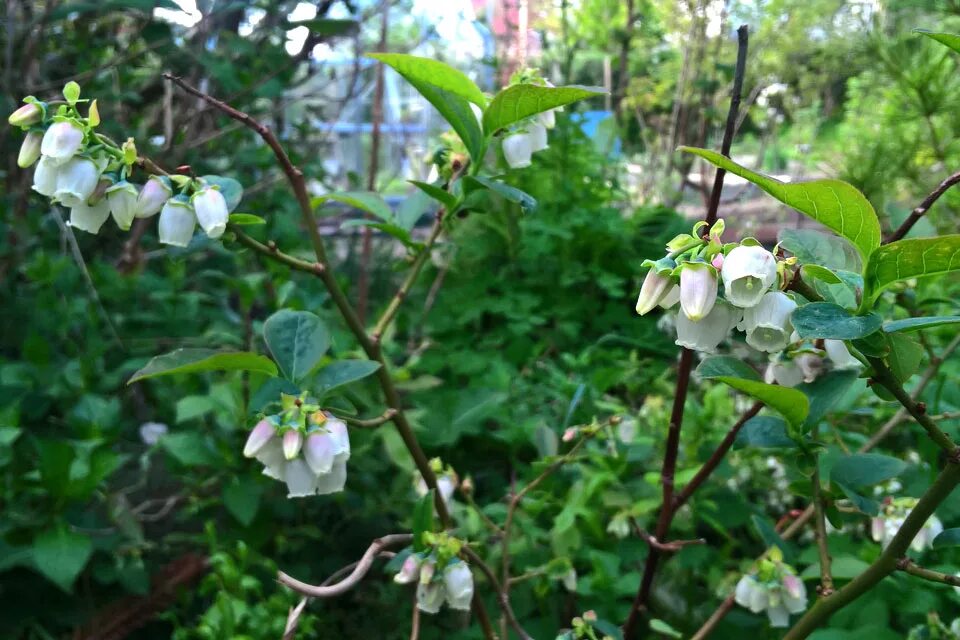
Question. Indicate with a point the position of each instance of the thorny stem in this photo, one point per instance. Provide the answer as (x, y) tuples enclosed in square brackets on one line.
[(369, 346), (667, 509)]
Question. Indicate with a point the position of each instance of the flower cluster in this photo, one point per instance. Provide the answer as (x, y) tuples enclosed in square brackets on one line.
[(774, 587), (278, 441), (447, 481), (88, 173), (440, 575), (894, 511), (529, 135), (735, 285)]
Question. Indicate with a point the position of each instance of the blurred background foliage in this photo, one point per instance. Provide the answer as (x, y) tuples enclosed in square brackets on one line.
[(522, 325)]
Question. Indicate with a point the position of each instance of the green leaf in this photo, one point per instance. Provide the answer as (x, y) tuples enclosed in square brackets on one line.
[(61, 554), (661, 627), (438, 74), (947, 538), (343, 372), (56, 457), (910, 258), (790, 403), (189, 448), (368, 201), (904, 357), (71, 92), (817, 272), (520, 101), (444, 197), (390, 229), (770, 536), (716, 366), (842, 568), (243, 219), (915, 324), (817, 248), (951, 40), (241, 497), (327, 27), (825, 392), (866, 505), (834, 203), (864, 469), (512, 194), (297, 340), (191, 407), (230, 189), (764, 432), (194, 360), (423, 520), (833, 322), (448, 90)]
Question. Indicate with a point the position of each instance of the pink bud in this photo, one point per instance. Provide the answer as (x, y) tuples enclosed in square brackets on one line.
[(292, 441), (655, 288), (569, 434), (259, 436), (409, 572), (590, 616), (26, 115), (717, 261), (698, 290)]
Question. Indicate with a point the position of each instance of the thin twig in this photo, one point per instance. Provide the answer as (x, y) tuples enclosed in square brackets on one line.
[(826, 578), (909, 566), (270, 250), (922, 208), (371, 423), (502, 598), (356, 575), (415, 621), (669, 547)]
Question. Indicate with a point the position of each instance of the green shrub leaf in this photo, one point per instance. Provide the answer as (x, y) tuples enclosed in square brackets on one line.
[(194, 360), (344, 372), (951, 40), (910, 258), (61, 554), (833, 322), (520, 101), (864, 469), (916, 324), (297, 340)]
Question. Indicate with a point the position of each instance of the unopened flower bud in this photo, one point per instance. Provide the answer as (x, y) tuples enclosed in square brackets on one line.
[(212, 214), (319, 452), (590, 616), (62, 141), (177, 221), (29, 150), (655, 287), (410, 571), (89, 218), (748, 272), (26, 115), (122, 198), (153, 196), (259, 436), (569, 434), (292, 441), (76, 181), (518, 150), (698, 289), (427, 570)]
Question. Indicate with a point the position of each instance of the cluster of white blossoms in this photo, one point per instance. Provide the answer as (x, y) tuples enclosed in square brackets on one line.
[(440, 577), (735, 285), (892, 514), (774, 588), (302, 446), (447, 481), (529, 135), (86, 172)]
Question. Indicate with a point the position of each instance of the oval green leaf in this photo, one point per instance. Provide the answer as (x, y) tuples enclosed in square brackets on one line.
[(194, 360), (368, 201), (833, 322), (527, 202), (916, 324), (297, 340), (951, 40), (790, 403), (947, 538), (442, 196), (716, 366), (344, 372), (244, 219), (520, 101), (764, 432), (910, 258), (834, 203), (865, 469)]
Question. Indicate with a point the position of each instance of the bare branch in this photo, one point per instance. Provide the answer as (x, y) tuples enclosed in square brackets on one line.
[(922, 208)]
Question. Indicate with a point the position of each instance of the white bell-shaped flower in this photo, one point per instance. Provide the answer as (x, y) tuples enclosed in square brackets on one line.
[(698, 289), (89, 218), (153, 196), (259, 436), (748, 272), (655, 287), (840, 356), (538, 137), (767, 324), (458, 583), (123, 203), (300, 479), (671, 298), (518, 150), (548, 119), (76, 181), (430, 596), (177, 221), (751, 594), (29, 150), (410, 570), (61, 141), (212, 214), (810, 364), (45, 177), (785, 373), (707, 334), (793, 593)]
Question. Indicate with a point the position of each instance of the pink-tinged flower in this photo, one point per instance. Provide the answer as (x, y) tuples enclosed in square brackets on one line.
[(62, 141), (427, 569), (177, 221), (89, 218), (698, 290), (259, 436), (717, 261), (76, 181), (410, 571), (655, 287), (748, 272), (153, 196), (334, 481), (569, 434), (29, 150), (518, 150), (458, 584), (211, 208), (318, 451), (292, 441), (300, 480), (26, 115), (670, 298)]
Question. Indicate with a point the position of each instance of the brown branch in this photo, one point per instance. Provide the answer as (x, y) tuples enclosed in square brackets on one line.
[(356, 575), (922, 208), (909, 566), (270, 250), (371, 423), (669, 547), (826, 578), (502, 598)]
